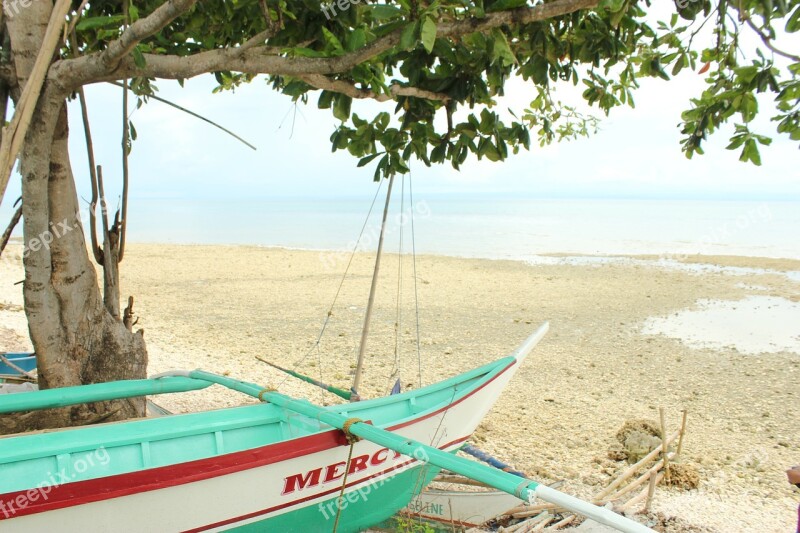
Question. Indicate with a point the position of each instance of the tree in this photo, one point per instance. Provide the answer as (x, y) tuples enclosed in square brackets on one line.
[(441, 65)]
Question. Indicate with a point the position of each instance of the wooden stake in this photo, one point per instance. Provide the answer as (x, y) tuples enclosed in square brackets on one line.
[(640, 497), (651, 489), (683, 431), (664, 444), (566, 521), (14, 133), (637, 482), (632, 470)]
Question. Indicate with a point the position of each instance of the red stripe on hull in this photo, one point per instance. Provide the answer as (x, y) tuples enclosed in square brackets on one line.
[(334, 490), (105, 488)]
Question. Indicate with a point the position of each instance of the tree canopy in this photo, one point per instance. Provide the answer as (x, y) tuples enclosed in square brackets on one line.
[(444, 63)]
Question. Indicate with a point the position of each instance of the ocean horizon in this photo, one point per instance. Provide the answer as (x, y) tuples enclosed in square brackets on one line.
[(495, 227)]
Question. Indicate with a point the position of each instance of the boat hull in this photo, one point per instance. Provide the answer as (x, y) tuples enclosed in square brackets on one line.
[(287, 486)]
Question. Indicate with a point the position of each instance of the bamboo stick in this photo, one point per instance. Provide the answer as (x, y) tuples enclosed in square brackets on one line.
[(444, 478), (566, 521), (664, 444), (14, 134), (651, 489), (641, 496), (362, 347), (543, 524), (535, 510), (523, 526), (683, 432), (632, 470), (637, 482)]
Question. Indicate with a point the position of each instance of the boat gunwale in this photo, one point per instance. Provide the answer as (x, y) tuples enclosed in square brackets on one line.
[(188, 472), (94, 434)]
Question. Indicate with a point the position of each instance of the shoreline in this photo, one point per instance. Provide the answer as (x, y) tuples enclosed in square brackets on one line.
[(218, 306)]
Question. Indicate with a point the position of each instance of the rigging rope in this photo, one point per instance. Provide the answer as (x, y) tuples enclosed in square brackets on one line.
[(338, 290), (399, 311), (414, 266), (352, 439)]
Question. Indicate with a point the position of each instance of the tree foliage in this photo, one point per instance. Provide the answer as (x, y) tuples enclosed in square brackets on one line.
[(444, 63)]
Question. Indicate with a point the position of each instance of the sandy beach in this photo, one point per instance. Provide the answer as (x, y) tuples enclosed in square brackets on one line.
[(218, 307)]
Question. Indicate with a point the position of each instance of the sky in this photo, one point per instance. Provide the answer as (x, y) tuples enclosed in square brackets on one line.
[(636, 154)]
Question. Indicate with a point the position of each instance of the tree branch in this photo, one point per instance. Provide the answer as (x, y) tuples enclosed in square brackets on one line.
[(144, 28), (767, 40), (347, 88), (72, 73), (11, 225)]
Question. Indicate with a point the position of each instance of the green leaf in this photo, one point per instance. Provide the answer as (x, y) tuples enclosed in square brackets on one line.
[(428, 34), (356, 40), (325, 100), (503, 5), (384, 12), (612, 5), (793, 24), (332, 41), (501, 51), (366, 160), (93, 23), (409, 36), (341, 107), (138, 57)]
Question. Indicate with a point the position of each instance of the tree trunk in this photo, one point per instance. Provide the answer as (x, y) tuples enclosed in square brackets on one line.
[(77, 341)]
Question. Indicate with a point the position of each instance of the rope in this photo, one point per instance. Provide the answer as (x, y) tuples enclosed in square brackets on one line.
[(338, 290), (399, 311), (352, 439), (341, 492), (264, 391), (414, 265)]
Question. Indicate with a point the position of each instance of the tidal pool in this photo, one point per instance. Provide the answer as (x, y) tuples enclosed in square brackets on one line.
[(753, 325)]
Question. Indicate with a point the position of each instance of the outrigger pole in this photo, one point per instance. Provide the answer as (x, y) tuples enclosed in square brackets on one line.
[(182, 381), (330, 388), (524, 489)]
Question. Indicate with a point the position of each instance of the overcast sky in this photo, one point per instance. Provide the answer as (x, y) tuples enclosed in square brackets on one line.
[(636, 153)]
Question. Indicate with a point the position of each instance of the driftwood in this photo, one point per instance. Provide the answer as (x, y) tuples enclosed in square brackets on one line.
[(631, 471), (460, 480), (11, 225)]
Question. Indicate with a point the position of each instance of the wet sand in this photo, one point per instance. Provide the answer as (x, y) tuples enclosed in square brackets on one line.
[(217, 307)]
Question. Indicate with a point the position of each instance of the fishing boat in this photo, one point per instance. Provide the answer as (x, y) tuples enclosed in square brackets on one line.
[(253, 467), (16, 366), (459, 508), (281, 465)]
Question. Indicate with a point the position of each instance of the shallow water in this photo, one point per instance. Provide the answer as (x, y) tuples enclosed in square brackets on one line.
[(756, 324)]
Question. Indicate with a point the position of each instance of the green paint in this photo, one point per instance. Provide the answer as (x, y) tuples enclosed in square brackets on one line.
[(98, 392), (360, 509)]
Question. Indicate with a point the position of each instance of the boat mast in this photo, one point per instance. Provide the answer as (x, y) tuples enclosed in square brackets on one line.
[(368, 315)]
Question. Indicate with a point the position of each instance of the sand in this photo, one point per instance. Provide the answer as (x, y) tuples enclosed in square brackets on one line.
[(217, 307)]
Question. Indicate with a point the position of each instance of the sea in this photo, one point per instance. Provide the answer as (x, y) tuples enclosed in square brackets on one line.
[(486, 226)]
